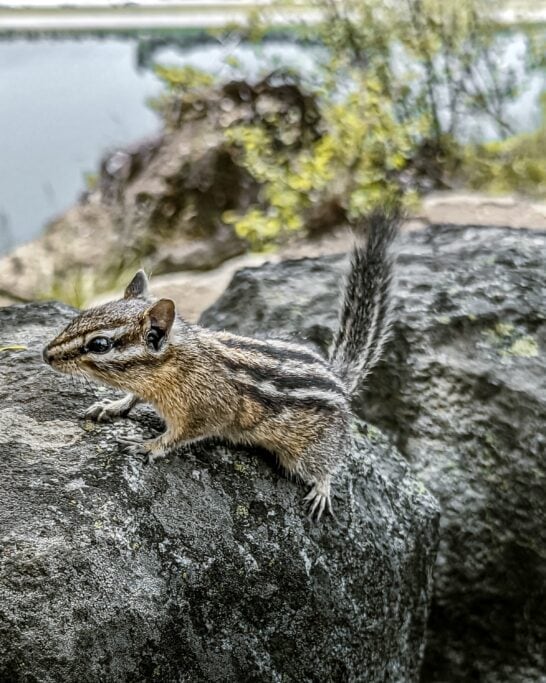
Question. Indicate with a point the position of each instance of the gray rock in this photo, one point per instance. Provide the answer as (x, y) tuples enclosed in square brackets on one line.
[(202, 567), (463, 393)]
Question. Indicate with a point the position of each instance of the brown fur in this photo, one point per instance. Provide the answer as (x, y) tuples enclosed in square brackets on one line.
[(269, 393)]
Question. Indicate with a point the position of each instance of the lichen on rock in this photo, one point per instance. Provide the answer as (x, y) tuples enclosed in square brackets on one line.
[(202, 567), (462, 391)]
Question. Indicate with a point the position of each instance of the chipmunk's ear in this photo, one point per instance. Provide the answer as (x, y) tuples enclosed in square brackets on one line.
[(159, 317), (138, 287)]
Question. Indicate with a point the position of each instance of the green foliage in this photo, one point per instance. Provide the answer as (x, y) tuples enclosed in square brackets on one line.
[(91, 181), (181, 78), (401, 78), (399, 82), (179, 82), (438, 58), (515, 164), (354, 162)]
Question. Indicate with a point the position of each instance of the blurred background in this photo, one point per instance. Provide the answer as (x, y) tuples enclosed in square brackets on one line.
[(198, 136)]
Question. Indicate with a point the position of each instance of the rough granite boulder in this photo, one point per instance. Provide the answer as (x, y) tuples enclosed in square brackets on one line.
[(161, 203), (462, 391), (202, 567)]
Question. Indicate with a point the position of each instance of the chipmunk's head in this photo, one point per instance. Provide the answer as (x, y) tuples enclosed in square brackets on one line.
[(120, 343)]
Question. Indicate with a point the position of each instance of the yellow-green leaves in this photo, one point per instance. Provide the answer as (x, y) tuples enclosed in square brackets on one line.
[(517, 164), (180, 82), (183, 77), (360, 146), (387, 111)]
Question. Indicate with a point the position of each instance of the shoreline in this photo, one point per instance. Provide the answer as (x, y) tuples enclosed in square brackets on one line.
[(206, 14), (190, 15)]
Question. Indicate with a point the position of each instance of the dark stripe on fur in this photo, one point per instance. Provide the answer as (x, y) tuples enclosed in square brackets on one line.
[(273, 352), (122, 342), (276, 404), (68, 355), (281, 381), (123, 365), (287, 382)]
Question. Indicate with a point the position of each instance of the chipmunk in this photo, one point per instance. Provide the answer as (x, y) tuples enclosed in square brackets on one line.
[(279, 395)]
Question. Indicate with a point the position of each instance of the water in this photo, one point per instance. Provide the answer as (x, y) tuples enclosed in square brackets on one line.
[(64, 102)]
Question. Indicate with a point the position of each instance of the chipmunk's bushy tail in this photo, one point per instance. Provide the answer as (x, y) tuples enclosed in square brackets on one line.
[(365, 320)]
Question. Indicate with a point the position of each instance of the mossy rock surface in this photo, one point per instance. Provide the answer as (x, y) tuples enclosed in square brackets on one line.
[(202, 567), (462, 390)]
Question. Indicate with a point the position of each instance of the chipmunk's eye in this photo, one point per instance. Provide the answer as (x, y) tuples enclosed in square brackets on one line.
[(99, 345)]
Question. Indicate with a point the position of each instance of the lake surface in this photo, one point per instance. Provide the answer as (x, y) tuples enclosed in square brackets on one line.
[(64, 102)]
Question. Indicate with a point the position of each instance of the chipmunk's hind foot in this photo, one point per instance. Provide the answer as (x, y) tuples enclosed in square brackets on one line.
[(100, 412), (134, 447), (319, 500), (152, 449)]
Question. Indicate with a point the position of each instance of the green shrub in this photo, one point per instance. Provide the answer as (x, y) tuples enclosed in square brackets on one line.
[(81, 285), (355, 162), (516, 164), (399, 82), (179, 82)]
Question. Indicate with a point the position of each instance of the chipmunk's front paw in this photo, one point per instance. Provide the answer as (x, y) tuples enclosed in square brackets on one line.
[(105, 411)]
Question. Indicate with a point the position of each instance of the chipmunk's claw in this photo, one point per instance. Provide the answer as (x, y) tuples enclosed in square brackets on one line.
[(133, 447), (106, 411), (145, 448), (98, 412), (318, 499), (153, 456)]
